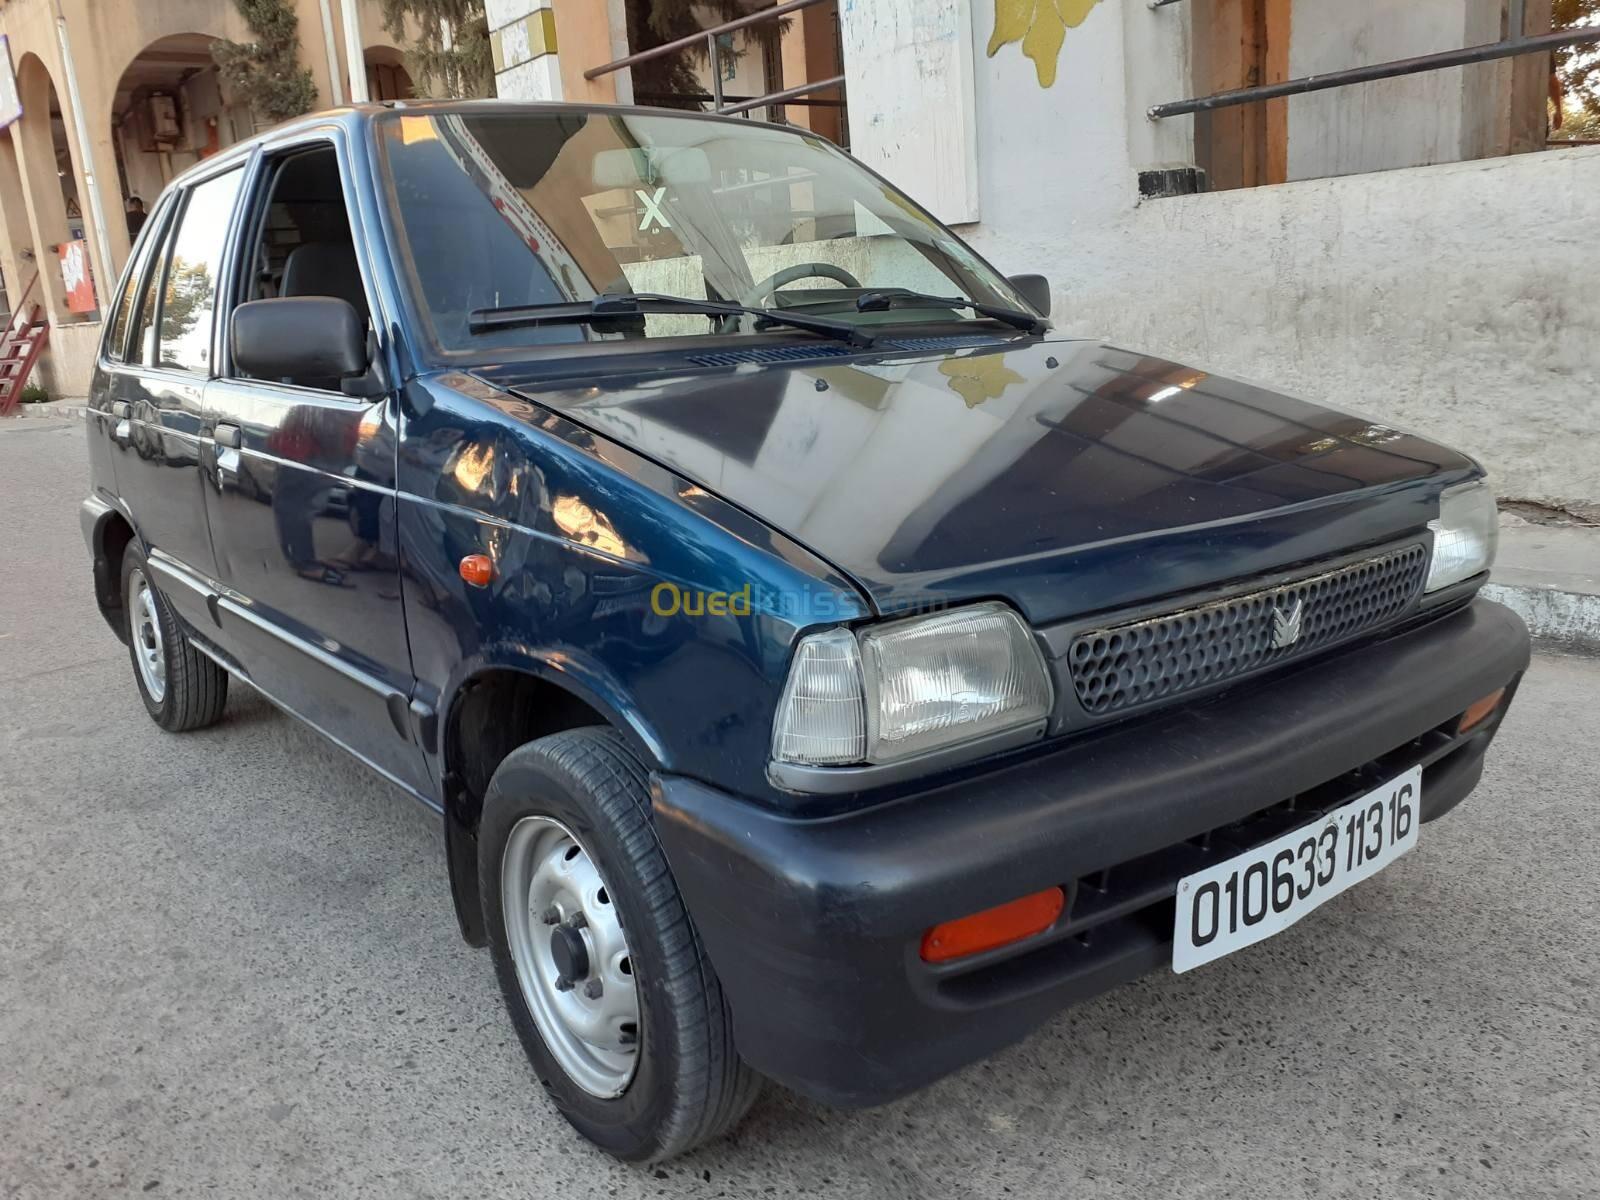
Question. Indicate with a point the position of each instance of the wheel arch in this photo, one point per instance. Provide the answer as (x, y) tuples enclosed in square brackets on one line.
[(496, 704), (110, 532)]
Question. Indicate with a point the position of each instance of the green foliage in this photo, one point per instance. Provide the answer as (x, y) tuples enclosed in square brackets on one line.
[(34, 394), (1577, 67), (266, 73), (447, 45)]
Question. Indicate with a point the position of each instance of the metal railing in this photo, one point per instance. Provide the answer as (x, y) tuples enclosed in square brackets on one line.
[(720, 102), (1516, 42)]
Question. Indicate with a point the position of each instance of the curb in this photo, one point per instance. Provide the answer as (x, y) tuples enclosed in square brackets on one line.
[(51, 409), (1570, 620)]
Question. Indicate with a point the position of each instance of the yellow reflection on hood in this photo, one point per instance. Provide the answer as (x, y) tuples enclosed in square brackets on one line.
[(473, 466), (582, 524), (979, 378)]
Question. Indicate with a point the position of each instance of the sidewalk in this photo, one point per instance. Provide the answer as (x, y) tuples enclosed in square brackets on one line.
[(1550, 575)]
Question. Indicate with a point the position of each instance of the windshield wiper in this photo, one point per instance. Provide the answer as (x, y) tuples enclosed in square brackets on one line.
[(884, 299), (602, 308)]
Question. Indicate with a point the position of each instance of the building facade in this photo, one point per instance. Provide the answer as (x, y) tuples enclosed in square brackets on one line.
[(117, 97), (1418, 249)]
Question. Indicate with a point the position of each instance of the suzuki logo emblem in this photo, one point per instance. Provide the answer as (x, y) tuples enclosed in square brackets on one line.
[(1286, 624)]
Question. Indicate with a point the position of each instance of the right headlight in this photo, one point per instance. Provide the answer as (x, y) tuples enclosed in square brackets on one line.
[(903, 689), (1464, 536)]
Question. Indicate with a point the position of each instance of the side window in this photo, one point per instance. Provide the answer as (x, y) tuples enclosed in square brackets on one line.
[(143, 313), (302, 243), (189, 286), (117, 338)]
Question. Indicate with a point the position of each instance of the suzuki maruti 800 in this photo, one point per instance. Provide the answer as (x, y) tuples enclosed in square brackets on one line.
[(824, 671)]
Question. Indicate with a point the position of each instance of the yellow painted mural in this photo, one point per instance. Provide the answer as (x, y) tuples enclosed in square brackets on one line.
[(979, 378), (1041, 26)]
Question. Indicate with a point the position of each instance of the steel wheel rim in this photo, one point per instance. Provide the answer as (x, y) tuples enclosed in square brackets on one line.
[(571, 956), (149, 651)]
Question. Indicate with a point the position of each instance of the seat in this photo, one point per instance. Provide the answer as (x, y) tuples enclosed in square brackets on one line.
[(325, 269)]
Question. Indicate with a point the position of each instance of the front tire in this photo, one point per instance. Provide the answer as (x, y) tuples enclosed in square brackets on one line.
[(181, 688), (602, 970)]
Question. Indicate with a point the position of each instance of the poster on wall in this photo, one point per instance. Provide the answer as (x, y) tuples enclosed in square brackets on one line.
[(75, 274), (10, 101)]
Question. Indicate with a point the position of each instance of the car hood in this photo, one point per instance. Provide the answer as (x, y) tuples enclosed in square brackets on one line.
[(1067, 477)]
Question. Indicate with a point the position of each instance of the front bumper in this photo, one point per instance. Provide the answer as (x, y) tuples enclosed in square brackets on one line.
[(813, 926)]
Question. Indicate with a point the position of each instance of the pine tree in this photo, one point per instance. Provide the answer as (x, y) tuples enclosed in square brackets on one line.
[(266, 73), (670, 81), (447, 45)]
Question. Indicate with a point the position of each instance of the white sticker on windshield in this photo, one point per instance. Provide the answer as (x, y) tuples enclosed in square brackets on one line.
[(652, 209)]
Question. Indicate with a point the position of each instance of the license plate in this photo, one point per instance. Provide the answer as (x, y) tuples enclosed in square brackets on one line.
[(1256, 894)]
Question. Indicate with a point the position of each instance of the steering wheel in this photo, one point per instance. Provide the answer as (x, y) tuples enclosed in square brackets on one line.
[(762, 292)]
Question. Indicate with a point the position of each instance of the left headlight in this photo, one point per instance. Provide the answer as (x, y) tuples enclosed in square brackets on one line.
[(1464, 536), (906, 688)]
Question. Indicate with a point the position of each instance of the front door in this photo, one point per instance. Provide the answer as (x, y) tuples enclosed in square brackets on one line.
[(301, 496)]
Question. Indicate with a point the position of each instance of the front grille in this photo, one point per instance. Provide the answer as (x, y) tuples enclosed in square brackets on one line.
[(1162, 657)]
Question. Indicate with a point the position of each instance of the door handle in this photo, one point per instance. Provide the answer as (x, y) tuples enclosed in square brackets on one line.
[(121, 410), (228, 440)]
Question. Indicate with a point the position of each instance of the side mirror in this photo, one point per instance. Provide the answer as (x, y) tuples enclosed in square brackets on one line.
[(1035, 290), (299, 338)]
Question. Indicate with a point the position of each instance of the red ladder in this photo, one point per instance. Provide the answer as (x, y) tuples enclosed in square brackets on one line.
[(20, 348)]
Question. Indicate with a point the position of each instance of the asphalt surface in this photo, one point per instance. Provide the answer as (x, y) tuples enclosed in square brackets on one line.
[(228, 965)]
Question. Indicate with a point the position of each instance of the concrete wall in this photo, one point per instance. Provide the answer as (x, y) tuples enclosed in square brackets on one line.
[(1457, 300), (1414, 120), (64, 369)]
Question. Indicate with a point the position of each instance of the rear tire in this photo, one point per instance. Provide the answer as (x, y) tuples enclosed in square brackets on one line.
[(576, 806), (181, 688)]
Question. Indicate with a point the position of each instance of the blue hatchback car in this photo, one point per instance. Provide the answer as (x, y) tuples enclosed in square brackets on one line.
[(823, 671)]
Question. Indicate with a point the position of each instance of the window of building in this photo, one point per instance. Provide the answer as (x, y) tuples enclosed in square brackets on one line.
[(1431, 81)]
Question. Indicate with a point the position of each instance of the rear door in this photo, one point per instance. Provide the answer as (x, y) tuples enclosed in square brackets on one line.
[(302, 489), (108, 429), (158, 390)]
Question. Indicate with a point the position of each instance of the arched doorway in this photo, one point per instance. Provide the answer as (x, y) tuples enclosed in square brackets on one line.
[(46, 173), (168, 113), (387, 77)]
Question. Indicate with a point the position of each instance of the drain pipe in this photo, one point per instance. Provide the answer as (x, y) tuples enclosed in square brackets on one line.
[(352, 52), (97, 213), (335, 84)]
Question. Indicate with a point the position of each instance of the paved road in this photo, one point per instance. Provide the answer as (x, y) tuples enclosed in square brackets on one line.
[(228, 966)]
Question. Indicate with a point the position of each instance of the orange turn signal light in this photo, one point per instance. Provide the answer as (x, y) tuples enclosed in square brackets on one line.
[(998, 926), (1480, 710), (477, 569)]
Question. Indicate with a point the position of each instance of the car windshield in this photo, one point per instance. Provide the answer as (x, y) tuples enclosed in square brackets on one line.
[(504, 211)]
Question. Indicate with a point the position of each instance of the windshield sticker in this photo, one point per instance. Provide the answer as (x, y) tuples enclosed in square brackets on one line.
[(652, 209)]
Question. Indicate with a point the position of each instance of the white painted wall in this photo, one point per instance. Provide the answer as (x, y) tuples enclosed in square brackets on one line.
[(908, 68), (1457, 300)]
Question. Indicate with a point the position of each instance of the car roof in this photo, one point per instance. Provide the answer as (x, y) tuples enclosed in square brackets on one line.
[(353, 116)]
